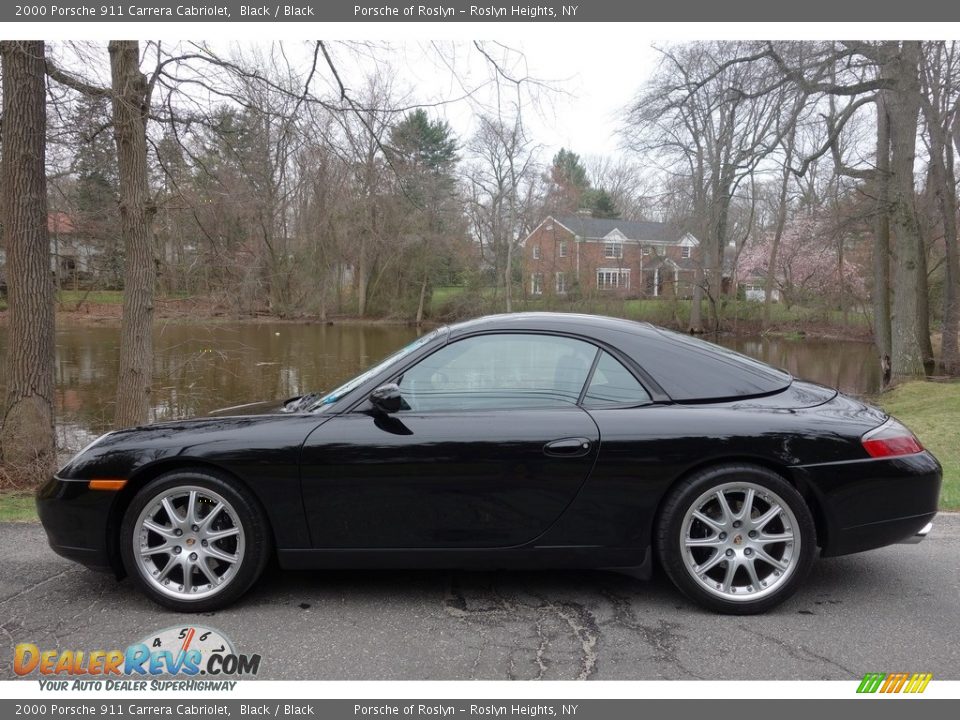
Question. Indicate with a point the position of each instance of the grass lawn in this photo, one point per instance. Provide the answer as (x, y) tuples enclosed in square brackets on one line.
[(932, 411), (17, 506), (100, 297)]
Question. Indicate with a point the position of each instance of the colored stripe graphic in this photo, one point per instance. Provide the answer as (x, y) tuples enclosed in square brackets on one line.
[(894, 683)]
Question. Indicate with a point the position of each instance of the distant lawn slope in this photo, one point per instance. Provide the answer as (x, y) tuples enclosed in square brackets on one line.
[(932, 411)]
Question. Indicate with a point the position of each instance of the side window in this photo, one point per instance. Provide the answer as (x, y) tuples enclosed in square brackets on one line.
[(612, 385), (499, 371)]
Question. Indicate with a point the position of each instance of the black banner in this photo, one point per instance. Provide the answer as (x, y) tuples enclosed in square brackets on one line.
[(440, 11), (482, 709)]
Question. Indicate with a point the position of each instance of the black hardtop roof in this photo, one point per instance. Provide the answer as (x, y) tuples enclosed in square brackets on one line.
[(688, 369), (570, 322)]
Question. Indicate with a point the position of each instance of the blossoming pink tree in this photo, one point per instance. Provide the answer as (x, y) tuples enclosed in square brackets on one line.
[(810, 267)]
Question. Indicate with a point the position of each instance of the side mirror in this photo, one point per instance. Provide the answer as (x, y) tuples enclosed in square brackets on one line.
[(387, 398)]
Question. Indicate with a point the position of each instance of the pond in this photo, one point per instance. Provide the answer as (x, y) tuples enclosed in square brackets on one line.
[(203, 366)]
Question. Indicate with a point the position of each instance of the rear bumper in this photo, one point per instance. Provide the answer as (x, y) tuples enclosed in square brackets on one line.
[(76, 520), (866, 504), (920, 536)]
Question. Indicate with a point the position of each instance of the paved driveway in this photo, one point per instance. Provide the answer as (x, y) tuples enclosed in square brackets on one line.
[(896, 609)]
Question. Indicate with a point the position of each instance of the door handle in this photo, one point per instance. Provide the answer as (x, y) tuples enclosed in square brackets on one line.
[(568, 447)]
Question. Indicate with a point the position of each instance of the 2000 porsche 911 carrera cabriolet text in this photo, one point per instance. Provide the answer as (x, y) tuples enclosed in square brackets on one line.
[(513, 441)]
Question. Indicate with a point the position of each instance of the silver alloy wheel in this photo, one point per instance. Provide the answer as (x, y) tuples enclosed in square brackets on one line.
[(188, 542), (740, 541)]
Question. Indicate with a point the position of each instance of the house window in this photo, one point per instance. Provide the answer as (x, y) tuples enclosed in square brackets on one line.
[(563, 248), (613, 250), (609, 278), (561, 283), (685, 252), (536, 252), (646, 249), (536, 284)]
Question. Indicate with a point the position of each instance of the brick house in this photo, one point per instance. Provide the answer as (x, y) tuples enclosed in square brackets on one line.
[(627, 258)]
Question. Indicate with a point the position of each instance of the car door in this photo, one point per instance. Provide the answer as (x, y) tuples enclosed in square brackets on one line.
[(489, 449)]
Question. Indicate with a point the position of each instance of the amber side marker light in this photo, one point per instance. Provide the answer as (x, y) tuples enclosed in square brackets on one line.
[(107, 484), (891, 439)]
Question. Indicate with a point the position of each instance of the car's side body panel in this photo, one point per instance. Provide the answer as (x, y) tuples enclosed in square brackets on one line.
[(444, 479)]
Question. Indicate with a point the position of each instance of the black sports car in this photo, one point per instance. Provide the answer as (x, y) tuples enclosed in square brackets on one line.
[(513, 441)]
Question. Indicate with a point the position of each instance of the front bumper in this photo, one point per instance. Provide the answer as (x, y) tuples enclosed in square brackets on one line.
[(870, 503), (77, 521)]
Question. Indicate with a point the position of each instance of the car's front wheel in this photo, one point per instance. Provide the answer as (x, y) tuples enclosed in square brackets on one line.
[(737, 539), (194, 541)]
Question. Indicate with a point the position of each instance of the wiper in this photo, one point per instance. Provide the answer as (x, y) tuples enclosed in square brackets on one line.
[(301, 402)]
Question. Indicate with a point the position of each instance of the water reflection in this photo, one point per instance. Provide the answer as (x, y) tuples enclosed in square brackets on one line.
[(200, 367)]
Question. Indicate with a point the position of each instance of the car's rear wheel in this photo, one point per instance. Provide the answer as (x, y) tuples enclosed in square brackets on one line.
[(737, 539), (193, 541)]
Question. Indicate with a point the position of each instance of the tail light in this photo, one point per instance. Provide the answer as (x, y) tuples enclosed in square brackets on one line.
[(891, 439)]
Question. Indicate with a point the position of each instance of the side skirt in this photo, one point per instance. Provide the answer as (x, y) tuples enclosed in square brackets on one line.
[(632, 561)]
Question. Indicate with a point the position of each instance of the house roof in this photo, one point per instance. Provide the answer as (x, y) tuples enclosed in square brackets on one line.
[(589, 227)]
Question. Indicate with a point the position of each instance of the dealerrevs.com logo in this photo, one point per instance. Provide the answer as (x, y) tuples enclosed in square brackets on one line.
[(177, 652), (889, 683)]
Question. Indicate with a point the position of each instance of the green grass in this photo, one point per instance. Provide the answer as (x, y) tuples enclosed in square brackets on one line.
[(17, 506), (100, 297), (932, 411)]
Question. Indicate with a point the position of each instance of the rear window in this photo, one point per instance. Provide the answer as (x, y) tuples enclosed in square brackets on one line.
[(690, 369)]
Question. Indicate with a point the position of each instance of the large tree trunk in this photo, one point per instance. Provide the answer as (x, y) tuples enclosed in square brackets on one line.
[(950, 351), (136, 211), (777, 236), (907, 327), (27, 436), (881, 244)]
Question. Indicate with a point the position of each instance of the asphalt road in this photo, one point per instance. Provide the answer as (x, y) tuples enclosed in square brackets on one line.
[(895, 609)]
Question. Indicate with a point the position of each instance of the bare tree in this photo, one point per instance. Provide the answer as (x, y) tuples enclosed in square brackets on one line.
[(940, 70), (710, 115), (27, 434), (131, 103), (501, 189)]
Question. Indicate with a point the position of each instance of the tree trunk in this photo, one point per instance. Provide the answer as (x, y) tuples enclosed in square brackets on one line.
[(696, 302), (907, 327), (423, 295), (136, 211), (946, 189), (777, 235), (881, 244), (27, 435)]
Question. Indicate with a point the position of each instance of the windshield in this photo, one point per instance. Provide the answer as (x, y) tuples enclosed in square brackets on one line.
[(334, 395)]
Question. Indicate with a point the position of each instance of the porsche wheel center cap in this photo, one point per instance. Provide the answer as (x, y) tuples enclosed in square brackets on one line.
[(738, 540), (191, 541)]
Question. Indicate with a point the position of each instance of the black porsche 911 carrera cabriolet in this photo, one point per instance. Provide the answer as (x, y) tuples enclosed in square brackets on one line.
[(529, 440)]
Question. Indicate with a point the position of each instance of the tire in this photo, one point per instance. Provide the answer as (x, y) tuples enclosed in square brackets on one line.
[(200, 561), (770, 548)]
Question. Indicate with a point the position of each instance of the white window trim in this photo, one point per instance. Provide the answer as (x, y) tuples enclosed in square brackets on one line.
[(613, 245), (562, 249), (622, 276), (536, 252), (536, 283), (685, 252), (560, 283)]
